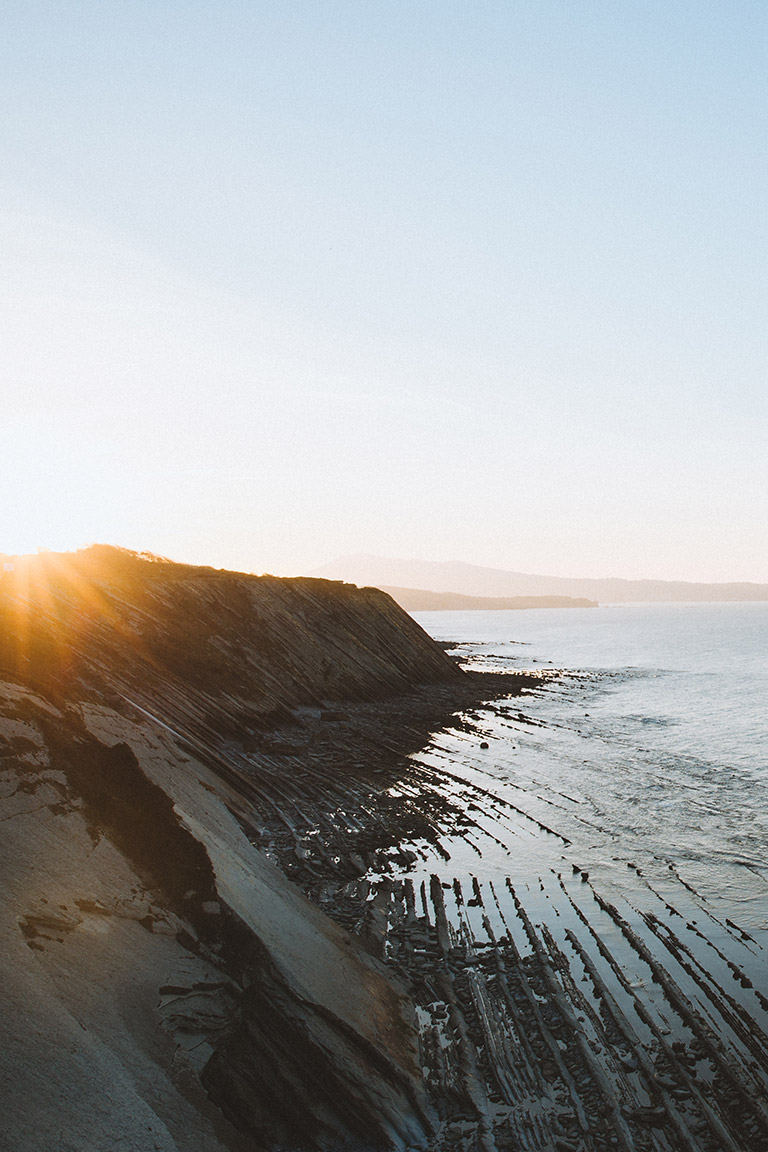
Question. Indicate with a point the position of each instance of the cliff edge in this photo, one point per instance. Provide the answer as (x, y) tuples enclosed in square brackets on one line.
[(165, 986)]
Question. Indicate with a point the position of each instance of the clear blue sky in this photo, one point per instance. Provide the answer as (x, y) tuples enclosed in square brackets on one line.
[(480, 281)]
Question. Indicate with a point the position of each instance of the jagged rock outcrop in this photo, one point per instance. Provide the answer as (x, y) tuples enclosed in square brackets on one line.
[(165, 986)]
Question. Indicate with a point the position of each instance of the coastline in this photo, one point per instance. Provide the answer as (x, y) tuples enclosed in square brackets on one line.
[(557, 1009), (251, 856)]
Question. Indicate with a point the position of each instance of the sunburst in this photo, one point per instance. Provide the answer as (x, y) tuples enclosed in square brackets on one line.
[(53, 607)]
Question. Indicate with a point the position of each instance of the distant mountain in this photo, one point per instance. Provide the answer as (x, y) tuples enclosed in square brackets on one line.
[(419, 600), (472, 580)]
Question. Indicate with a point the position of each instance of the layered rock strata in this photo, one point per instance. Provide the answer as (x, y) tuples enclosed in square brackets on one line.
[(165, 986)]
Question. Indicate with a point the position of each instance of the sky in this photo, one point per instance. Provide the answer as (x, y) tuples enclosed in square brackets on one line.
[(453, 281)]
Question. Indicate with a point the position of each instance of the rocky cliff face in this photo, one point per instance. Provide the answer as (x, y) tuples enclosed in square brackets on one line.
[(166, 986), (255, 646)]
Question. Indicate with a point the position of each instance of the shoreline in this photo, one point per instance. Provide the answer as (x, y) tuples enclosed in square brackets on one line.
[(556, 1010), (250, 852)]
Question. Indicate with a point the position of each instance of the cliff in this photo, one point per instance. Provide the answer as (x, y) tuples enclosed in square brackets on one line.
[(164, 985), (257, 646)]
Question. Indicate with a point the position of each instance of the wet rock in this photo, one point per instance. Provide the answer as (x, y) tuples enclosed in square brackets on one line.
[(648, 1117)]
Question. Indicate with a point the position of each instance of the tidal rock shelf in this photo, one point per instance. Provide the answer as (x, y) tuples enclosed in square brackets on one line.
[(564, 1002), (266, 887)]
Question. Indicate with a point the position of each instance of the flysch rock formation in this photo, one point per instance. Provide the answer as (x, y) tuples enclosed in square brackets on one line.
[(268, 884), (164, 986)]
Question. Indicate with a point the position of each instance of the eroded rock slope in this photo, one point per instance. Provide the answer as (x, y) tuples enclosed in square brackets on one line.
[(165, 986)]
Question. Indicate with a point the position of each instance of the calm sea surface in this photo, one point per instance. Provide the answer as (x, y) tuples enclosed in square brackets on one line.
[(655, 735)]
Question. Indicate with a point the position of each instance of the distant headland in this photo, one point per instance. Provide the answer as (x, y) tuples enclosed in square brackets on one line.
[(420, 600), (475, 581)]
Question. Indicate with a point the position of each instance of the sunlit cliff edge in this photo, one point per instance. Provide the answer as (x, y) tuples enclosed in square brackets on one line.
[(165, 986)]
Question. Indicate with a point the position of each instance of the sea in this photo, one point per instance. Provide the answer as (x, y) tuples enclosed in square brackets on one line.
[(645, 743), (601, 841)]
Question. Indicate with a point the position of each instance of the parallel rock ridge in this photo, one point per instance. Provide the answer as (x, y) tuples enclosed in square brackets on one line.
[(166, 986), (273, 883)]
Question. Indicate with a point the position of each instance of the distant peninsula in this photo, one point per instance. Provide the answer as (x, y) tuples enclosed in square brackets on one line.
[(422, 600), (475, 581)]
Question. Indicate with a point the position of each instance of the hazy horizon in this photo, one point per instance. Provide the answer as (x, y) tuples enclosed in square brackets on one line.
[(412, 574), (287, 282), (464, 563)]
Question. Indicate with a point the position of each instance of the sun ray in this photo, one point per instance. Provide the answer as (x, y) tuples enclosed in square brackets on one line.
[(56, 613)]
